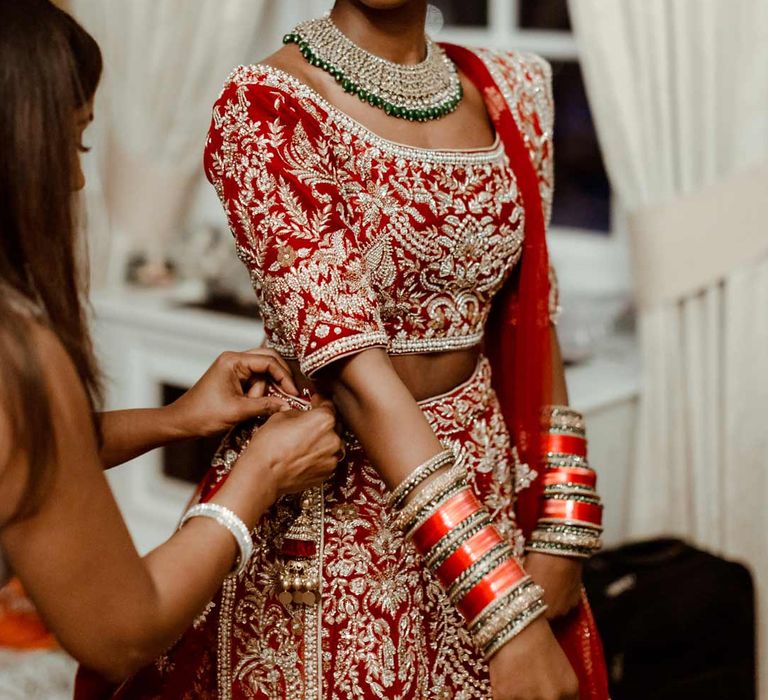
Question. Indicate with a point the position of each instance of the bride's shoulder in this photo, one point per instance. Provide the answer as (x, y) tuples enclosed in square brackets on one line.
[(289, 61), (277, 85), (524, 80)]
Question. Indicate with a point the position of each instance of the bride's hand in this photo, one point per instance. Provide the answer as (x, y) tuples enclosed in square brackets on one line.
[(232, 390), (533, 666), (560, 577)]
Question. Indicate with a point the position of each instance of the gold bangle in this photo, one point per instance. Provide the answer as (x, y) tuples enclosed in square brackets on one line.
[(573, 523), (570, 490), (493, 608), (417, 476), (513, 628), (563, 418), (591, 498), (565, 534), (563, 460), (457, 473), (559, 550), (513, 608)]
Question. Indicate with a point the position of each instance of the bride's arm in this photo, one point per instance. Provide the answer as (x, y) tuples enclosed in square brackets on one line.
[(229, 392), (397, 437), (381, 412)]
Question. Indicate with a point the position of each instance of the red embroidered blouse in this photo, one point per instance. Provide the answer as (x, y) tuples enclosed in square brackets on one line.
[(354, 241)]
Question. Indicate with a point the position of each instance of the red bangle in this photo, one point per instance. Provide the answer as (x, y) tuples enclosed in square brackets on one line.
[(454, 511), (467, 554), (563, 444), (490, 588), (570, 475), (573, 510)]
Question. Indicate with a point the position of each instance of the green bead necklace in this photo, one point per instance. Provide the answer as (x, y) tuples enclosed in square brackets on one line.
[(419, 92)]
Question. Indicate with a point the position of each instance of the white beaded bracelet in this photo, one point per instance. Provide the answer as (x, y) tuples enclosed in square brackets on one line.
[(226, 518)]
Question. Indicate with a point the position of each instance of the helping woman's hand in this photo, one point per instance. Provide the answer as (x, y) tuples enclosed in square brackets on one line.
[(560, 577), (232, 390), (296, 449), (533, 666)]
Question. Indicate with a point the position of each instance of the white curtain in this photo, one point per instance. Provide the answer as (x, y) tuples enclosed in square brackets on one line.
[(679, 91), (165, 62)]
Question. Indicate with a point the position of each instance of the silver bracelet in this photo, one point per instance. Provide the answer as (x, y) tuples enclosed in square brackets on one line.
[(456, 476), (226, 518), (513, 628), (417, 476)]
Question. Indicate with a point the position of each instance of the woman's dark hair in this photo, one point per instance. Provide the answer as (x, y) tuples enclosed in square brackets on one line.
[(49, 69)]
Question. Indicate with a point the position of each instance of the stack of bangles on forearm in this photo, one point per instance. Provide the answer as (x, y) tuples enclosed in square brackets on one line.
[(571, 518), (454, 534)]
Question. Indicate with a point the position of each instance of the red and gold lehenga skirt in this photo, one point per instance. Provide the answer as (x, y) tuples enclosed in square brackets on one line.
[(383, 627)]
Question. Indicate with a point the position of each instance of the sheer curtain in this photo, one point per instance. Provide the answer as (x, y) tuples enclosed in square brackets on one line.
[(679, 90), (165, 62)]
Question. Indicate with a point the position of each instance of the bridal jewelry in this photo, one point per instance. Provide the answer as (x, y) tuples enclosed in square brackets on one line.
[(300, 577), (227, 519), (570, 522), (471, 560), (416, 92)]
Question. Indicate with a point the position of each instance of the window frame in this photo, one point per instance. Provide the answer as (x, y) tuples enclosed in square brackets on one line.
[(503, 32)]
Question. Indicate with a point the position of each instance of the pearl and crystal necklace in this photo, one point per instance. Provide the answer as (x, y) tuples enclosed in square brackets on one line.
[(416, 92)]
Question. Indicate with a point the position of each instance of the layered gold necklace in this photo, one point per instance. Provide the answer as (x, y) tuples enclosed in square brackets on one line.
[(416, 92)]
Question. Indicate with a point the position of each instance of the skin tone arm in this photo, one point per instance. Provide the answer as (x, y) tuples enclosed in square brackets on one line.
[(397, 438), (111, 609), (231, 391)]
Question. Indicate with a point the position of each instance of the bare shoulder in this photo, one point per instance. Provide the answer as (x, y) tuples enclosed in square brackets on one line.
[(37, 374), (472, 96), (44, 360), (61, 377)]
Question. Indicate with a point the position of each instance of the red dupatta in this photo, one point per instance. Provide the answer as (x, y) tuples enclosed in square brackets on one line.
[(517, 336), (517, 342)]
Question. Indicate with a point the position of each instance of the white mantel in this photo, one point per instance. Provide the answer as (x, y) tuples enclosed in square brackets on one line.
[(146, 338)]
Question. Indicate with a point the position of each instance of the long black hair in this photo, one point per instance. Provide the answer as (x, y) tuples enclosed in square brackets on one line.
[(49, 68)]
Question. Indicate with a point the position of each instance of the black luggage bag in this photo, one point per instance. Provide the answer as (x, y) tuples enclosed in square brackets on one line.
[(677, 623)]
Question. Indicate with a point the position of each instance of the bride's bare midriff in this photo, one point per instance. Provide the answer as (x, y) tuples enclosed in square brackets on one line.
[(423, 375)]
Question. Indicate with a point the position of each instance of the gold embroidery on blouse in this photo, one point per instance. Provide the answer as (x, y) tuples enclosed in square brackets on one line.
[(429, 238)]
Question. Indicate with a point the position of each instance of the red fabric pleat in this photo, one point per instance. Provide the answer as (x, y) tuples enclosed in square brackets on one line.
[(517, 342)]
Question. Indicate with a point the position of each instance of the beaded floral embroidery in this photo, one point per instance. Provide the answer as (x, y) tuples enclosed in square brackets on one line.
[(354, 241)]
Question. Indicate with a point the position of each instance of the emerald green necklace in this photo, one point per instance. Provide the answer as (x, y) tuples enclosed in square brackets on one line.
[(418, 92)]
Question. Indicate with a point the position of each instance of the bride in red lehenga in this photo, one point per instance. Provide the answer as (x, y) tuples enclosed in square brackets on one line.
[(389, 197)]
